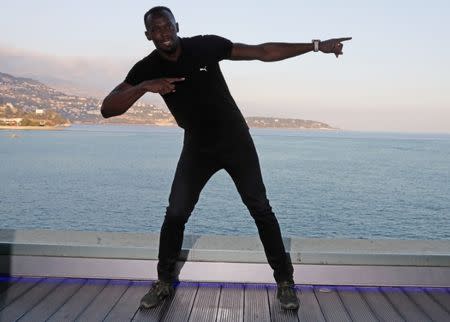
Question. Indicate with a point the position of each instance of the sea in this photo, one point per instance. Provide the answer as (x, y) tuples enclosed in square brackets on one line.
[(326, 184)]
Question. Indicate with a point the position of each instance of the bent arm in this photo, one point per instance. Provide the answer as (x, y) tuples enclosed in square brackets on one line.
[(121, 99), (124, 95)]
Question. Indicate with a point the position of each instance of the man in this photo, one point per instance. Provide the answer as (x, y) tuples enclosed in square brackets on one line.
[(186, 73)]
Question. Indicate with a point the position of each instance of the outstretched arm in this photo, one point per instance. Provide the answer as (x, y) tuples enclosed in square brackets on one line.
[(278, 51)]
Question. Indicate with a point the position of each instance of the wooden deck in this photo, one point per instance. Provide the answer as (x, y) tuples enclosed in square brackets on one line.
[(62, 299)]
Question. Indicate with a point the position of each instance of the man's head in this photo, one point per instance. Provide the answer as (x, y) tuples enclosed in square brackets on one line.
[(161, 28)]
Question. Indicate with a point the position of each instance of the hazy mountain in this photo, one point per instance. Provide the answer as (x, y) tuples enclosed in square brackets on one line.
[(74, 75)]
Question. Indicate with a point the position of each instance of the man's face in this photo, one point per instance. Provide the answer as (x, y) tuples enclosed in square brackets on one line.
[(162, 30)]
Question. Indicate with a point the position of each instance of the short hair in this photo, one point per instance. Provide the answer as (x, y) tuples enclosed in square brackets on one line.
[(157, 9)]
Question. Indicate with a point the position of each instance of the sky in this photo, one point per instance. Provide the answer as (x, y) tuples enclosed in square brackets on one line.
[(394, 74)]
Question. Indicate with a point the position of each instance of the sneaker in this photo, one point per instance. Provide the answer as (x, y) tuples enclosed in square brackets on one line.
[(158, 292), (286, 295)]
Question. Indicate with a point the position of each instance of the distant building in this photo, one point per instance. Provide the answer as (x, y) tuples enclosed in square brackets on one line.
[(93, 112), (9, 106), (11, 121), (39, 111)]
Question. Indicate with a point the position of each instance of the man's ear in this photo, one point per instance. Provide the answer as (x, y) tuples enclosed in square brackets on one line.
[(176, 24), (147, 34)]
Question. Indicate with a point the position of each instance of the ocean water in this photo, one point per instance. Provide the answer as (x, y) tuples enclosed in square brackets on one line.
[(320, 184)]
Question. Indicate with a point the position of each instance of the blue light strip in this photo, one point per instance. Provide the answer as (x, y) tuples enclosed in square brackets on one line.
[(331, 288)]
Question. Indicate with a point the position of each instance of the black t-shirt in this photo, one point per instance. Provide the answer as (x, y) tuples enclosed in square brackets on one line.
[(202, 103)]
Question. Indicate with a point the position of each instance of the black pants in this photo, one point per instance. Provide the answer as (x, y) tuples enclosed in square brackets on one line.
[(198, 162)]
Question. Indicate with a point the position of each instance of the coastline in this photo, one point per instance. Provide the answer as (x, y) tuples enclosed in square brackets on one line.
[(20, 128), (160, 125), (172, 125)]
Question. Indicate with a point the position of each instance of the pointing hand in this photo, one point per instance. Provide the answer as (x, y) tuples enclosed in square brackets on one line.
[(333, 46), (161, 85)]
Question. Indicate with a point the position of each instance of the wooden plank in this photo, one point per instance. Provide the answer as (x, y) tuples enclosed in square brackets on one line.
[(256, 303), (128, 305), (6, 282), (277, 313), (407, 309), (104, 301), (17, 289), (440, 295), (29, 299), (309, 309), (53, 301), (355, 304), (231, 303), (206, 303), (380, 305), (153, 314), (427, 304), (332, 307), (181, 305), (79, 301)]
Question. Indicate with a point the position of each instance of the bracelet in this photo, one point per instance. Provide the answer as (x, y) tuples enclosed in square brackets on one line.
[(316, 43)]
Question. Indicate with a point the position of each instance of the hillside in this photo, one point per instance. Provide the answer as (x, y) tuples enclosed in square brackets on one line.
[(28, 95)]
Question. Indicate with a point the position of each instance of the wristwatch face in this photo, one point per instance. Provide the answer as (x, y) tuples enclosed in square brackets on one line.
[(316, 44)]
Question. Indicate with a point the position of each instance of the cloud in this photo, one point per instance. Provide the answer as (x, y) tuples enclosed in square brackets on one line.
[(86, 76)]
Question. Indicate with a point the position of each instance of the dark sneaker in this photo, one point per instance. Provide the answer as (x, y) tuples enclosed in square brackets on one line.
[(158, 292), (286, 295)]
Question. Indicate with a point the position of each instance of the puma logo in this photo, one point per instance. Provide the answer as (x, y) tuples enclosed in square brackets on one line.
[(203, 69)]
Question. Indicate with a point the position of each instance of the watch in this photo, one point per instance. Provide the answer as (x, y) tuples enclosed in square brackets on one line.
[(316, 43)]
